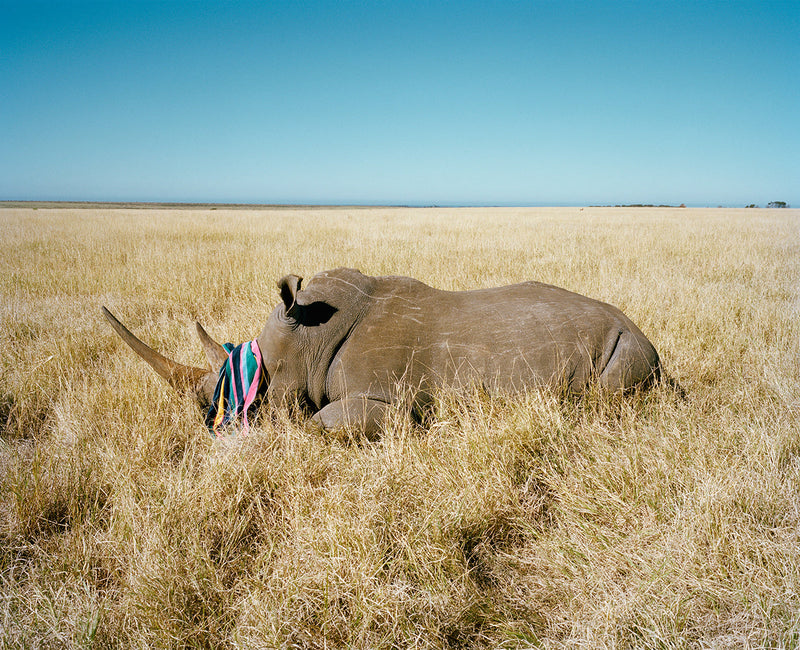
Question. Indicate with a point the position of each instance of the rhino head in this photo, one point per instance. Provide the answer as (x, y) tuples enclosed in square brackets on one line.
[(199, 382), (285, 345)]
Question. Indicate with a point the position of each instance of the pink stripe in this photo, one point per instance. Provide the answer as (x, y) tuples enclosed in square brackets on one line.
[(253, 389)]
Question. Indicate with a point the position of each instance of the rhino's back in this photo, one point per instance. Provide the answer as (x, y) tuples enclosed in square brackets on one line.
[(508, 338)]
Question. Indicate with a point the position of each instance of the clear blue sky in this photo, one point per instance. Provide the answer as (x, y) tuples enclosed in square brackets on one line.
[(401, 102)]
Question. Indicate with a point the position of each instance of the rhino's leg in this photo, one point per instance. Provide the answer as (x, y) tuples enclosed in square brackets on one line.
[(633, 363), (359, 415)]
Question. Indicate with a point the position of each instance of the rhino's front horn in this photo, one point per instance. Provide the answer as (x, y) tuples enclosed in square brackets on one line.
[(177, 375)]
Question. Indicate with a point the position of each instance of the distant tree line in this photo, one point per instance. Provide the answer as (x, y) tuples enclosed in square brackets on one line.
[(772, 204), (640, 205)]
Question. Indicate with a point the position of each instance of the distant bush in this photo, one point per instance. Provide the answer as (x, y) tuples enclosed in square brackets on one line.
[(777, 204)]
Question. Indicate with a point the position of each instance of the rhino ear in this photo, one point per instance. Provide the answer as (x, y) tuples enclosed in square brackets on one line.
[(289, 286)]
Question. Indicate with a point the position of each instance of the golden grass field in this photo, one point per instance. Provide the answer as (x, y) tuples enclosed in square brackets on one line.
[(651, 521)]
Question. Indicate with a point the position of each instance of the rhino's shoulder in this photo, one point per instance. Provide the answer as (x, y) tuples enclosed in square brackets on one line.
[(340, 279), (338, 287), (344, 280), (342, 273)]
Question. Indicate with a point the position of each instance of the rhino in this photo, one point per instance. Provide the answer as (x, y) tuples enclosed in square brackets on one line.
[(347, 346)]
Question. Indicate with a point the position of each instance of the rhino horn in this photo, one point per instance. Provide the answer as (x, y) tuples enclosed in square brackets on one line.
[(216, 354), (178, 376)]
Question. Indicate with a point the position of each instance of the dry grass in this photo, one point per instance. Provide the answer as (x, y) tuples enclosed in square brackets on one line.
[(648, 522)]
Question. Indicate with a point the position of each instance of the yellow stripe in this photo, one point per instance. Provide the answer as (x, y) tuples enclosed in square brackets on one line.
[(220, 406)]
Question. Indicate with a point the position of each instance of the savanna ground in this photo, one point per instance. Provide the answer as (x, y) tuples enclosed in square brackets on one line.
[(651, 521)]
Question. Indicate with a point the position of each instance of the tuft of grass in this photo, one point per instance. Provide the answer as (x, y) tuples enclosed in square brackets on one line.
[(648, 521)]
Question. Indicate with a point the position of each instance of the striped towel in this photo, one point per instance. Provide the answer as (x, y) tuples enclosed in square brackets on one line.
[(239, 383)]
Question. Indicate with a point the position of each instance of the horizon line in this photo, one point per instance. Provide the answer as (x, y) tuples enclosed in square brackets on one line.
[(72, 204)]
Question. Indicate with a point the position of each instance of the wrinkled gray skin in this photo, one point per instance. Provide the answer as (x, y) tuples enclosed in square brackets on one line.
[(348, 345)]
